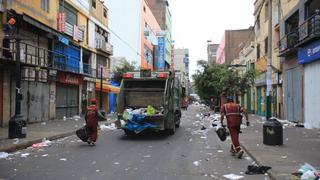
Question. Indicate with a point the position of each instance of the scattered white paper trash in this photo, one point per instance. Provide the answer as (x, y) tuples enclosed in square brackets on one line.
[(25, 155), (233, 176), (196, 163), (63, 159), (3, 155)]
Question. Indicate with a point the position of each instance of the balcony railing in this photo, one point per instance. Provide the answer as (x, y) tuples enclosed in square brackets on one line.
[(104, 46), (87, 69), (289, 41), (310, 27)]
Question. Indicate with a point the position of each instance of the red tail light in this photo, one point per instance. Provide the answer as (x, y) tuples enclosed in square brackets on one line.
[(127, 75), (162, 75)]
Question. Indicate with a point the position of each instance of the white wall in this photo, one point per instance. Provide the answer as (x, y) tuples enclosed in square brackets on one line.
[(124, 20)]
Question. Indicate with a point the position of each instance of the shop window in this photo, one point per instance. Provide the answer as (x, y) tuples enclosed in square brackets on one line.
[(94, 3), (45, 5), (105, 13)]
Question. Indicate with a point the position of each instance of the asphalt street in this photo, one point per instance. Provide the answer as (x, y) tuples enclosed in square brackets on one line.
[(190, 154)]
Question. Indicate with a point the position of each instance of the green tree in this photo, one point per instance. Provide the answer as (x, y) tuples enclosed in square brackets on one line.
[(123, 68), (211, 81)]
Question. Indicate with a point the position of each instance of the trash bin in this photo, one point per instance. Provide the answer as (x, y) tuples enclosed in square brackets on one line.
[(17, 127), (272, 132)]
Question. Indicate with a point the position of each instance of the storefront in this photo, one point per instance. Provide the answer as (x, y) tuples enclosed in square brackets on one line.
[(67, 94), (107, 88), (309, 56)]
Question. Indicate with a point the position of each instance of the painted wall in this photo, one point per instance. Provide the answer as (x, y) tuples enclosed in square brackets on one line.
[(221, 56), (147, 17), (124, 20), (33, 9)]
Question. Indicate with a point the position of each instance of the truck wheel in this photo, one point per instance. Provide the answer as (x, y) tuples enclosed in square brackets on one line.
[(172, 131), (128, 133)]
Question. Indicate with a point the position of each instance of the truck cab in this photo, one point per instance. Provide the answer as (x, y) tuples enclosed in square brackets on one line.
[(159, 90)]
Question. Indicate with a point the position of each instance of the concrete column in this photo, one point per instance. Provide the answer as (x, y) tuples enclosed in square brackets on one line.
[(52, 100), (7, 110)]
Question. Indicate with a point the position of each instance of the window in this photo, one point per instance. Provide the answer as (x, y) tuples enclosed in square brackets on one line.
[(93, 3), (258, 24), (266, 12), (71, 14), (266, 45), (311, 7), (45, 5), (258, 51), (105, 13)]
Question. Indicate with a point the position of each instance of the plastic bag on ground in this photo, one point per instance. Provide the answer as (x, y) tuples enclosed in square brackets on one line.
[(3, 155), (232, 176), (150, 110)]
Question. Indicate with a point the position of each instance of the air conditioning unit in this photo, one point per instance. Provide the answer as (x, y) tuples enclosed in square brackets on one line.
[(28, 74)]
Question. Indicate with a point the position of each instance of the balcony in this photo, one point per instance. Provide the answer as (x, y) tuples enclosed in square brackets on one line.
[(309, 29), (29, 54), (77, 32), (288, 42), (104, 46), (87, 70)]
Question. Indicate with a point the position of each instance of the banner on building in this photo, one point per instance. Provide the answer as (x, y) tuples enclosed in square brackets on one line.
[(309, 53), (161, 53), (62, 22), (70, 79)]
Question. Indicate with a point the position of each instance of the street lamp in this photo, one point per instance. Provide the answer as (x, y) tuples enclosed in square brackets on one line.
[(17, 124)]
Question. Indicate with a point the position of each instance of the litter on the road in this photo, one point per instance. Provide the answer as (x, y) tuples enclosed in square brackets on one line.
[(196, 163), (3, 155), (104, 127), (220, 151), (147, 156), (63, 159), (43, 123), (307, 172), (16, 141), (254, 169), (44, 143), (97, 170), (25, 155), (232, 176), (116, 163), (44, 155)]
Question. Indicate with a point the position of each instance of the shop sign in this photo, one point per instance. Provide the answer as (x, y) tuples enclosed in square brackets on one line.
[(309, 53), (70, 79), (161, 53)]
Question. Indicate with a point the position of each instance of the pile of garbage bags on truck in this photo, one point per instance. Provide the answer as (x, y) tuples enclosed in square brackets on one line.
[(134, 118)]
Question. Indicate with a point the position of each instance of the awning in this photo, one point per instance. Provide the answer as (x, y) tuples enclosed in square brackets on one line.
[(107, 88), (39, 25)]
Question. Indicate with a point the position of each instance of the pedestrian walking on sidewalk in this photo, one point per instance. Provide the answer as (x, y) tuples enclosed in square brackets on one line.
[(233, 113), (92, 117)]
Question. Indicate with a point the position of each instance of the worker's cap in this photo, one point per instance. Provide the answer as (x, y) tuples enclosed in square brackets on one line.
[(230, 98)]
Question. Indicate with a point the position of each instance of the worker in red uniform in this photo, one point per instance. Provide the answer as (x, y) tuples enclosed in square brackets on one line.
[(233, 113), (92, 117)]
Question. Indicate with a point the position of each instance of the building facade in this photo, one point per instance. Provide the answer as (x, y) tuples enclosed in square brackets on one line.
[(212, 52), (161, 11), (231, 44), (135, 31), (181, 67), (299, 48), (59, 58)]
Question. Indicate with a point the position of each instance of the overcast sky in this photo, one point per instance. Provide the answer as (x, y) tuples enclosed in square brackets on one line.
[(195, 22)]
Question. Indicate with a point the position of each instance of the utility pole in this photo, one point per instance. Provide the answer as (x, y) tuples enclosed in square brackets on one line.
[(101, 92), (269, 68)]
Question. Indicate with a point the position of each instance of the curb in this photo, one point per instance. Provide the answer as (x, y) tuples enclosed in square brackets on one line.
[(270, 172), (16, 147), (24, 145)]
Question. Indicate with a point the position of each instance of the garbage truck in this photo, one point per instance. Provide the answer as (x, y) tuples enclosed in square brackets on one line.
[(149, 101)]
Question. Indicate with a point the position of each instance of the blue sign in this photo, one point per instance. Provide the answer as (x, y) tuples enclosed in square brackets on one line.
[(64, 40), (309, 53), (161, 53)]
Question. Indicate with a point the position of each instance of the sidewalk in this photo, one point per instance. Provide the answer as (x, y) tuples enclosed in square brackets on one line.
[(53, 129), (300, 145)]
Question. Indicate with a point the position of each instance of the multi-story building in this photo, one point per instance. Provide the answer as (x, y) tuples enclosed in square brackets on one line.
[(161, 11), (58, 55), (212, 52), (299, 48), (181, 67), (135, 29), (261, 61), (231, 44)]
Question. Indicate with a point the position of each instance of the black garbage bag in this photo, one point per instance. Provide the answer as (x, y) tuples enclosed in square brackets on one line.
[(253, 169), (82, 134), (222, 133)]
